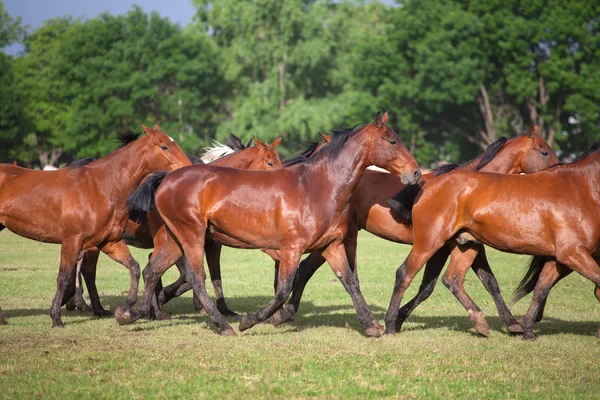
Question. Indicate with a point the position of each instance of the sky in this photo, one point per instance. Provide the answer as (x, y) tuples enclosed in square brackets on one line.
[(35, 12)]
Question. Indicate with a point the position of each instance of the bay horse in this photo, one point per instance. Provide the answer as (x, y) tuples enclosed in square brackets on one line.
[(86, 207), (369, 210), (525, 214), (184, 282), (285, 212), (232, 154)]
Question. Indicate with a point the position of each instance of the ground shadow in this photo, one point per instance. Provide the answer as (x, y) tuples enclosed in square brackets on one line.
[(310, 315)]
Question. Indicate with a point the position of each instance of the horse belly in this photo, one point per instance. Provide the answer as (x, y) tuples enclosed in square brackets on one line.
[(380, 222)]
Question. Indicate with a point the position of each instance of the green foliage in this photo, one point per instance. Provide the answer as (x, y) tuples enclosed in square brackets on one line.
[(454, 75)]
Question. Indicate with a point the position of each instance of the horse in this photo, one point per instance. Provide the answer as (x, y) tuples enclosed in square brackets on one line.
[(285, 212), (184, 282), (369, 210), (525, 214), (85, 207), (232, 154)]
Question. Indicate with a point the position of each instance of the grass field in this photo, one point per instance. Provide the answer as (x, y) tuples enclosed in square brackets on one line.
[(322, 353)]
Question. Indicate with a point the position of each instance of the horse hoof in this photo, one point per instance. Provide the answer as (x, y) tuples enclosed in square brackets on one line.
[(229, 313), (123, 315), (248, 321), (529, 336), (227, 332), (390, 332), (373, 331), (202, 311), (58, 324), (103, 313), (280, 317), (161, 316), (71, 305), (83, 307), (483, 330), (515, 328)]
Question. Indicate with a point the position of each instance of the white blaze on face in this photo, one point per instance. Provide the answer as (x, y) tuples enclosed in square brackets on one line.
[(172, 140)]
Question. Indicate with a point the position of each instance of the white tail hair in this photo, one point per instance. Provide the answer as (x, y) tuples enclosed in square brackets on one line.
[(216, 151)]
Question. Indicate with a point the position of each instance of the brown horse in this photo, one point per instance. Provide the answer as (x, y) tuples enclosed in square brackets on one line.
[(138, 234), (285, 212), (184, 282), (369, 210), (521, 214), (85, 207)]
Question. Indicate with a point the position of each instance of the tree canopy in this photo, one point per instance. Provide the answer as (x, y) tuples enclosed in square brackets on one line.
[(454, 74)]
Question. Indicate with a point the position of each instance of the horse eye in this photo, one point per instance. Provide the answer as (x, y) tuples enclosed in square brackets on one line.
[(544, 153), (393, 141), (269, 163), (164, 147)]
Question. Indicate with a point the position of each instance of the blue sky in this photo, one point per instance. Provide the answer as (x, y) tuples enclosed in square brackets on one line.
[(35, 12)]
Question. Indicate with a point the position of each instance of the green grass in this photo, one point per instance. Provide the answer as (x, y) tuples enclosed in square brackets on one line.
[(322, 353)]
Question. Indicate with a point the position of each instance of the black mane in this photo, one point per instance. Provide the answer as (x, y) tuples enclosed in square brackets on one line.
[(490, 152), (236, 143), (80, 163), (127, 136), (594, 148), (195, 160), (340, 137), (300, 157)]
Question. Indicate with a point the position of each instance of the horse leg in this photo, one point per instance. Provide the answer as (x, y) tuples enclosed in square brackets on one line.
[(89, 262), (482, 269), (213, 259), (551, 273), (335, 254), (306, 270), (404, 275), (177, 288), (69, 252), (563, 273), (119, 252), (288, 266), (433, 268), (192, 239), (454, 280)]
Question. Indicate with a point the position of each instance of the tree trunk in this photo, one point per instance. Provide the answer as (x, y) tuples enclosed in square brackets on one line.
[(489, 134), (49, 157), (282, 84)]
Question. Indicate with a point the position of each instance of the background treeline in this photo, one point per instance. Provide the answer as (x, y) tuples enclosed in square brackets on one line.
[(454, 75)]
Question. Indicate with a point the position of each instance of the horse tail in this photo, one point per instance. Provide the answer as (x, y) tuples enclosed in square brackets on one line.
[(141, 201), (530, 278), (402, 203)]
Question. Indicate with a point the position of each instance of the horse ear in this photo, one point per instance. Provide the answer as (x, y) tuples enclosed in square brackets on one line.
[(384, 118), (325, 137), (249, 144), (533, 130), (259, 144), (157, 128), (148, 131), (276, 142), (378, 119)]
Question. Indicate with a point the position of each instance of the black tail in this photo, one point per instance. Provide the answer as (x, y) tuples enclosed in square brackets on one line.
[(530, 278), (402, 203), (142, 199)]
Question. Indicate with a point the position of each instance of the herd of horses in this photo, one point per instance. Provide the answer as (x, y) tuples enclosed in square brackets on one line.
[(148, 193)]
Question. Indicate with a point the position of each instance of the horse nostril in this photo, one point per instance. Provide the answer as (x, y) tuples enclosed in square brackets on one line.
[(417, 173)]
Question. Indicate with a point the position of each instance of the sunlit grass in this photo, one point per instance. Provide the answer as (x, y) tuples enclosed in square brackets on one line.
[(322, 353)]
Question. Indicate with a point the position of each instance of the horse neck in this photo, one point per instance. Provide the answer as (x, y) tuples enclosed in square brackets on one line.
[(120, 172), (240, 159), (344, 172)]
